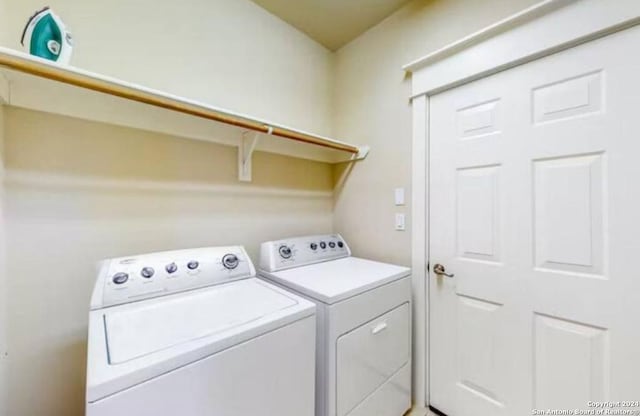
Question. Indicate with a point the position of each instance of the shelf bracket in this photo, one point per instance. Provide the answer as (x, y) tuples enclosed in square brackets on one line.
[(363, 151), (248, 144)]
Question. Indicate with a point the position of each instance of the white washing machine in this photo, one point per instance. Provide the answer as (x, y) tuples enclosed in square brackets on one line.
[(364, 323), (194, 333)]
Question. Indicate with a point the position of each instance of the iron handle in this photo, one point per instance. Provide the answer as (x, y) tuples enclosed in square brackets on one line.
[(441, 271)]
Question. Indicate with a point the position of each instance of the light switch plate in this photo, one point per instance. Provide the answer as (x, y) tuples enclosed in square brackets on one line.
[(399, 196), (400, 222)]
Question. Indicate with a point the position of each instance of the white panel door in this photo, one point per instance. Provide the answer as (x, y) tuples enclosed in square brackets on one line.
[(535, 209)]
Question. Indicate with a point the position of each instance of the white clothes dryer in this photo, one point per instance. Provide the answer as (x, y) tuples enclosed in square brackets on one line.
[(364, 323)]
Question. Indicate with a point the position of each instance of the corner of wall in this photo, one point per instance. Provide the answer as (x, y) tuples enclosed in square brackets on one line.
[(3, 286)]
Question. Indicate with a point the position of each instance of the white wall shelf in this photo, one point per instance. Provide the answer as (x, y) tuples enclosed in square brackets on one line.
[(37, 84)]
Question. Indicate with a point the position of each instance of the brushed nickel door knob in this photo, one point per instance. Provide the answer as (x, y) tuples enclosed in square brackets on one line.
[(440, 270)]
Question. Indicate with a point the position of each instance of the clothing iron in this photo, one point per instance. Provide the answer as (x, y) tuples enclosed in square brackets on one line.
[(46, 36)]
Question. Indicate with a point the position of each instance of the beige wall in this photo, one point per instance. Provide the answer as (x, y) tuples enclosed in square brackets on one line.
[(79, 191), (230, 53), (371, 106), (3, 23)]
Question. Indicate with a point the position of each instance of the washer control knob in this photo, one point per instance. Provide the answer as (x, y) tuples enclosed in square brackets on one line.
[(313, 246), (230, 261), (171, 268), (332, 244), (285, 252), (120, 278), (323, 245), (192, 265), (340, 244), (147, 272)]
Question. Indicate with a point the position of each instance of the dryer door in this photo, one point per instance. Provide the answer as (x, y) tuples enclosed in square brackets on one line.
[(371, 354)]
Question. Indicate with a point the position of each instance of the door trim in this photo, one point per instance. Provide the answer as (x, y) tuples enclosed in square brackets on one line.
[(545, 28), (541, 30), (420, 247)]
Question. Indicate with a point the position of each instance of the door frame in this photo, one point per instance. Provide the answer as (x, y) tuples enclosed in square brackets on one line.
[(548, 27)]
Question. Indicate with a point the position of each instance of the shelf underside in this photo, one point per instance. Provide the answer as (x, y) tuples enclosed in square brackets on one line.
[(32, 83)]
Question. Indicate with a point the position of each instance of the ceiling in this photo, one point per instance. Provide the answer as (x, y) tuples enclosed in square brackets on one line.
[(332, 23)]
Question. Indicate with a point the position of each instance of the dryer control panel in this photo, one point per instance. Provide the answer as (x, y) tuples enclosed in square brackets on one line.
[(301, 251), (129, 279)]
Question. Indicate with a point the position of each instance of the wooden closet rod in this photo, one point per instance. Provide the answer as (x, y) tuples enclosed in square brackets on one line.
[(21, 62)]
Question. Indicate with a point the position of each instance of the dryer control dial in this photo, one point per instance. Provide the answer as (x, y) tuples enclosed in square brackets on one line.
[(285, 252)]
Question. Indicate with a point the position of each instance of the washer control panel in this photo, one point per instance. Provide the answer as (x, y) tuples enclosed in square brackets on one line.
[(300, 251), (128, 279)]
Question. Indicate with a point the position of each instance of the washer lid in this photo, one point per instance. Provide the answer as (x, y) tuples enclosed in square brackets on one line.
[(154, 326), (135, 342), (336, 280)]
